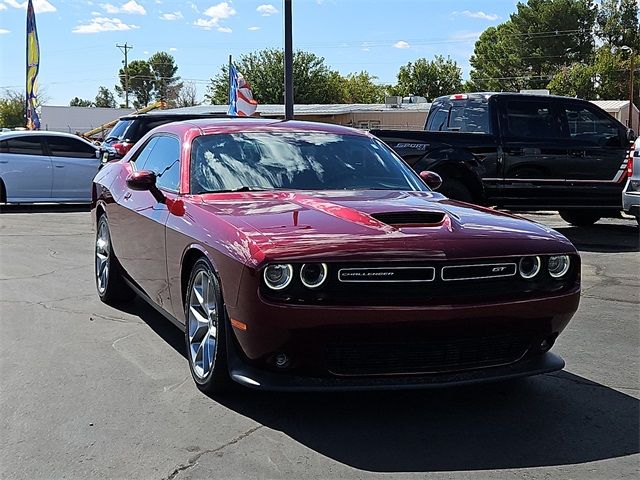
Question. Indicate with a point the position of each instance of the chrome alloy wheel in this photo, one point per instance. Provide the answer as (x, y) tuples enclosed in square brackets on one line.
[(202, 325), (103, 254)]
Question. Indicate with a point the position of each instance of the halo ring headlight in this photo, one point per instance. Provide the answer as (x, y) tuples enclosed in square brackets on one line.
[(558, 265), (312, 275), (529, 267), (278, 276)]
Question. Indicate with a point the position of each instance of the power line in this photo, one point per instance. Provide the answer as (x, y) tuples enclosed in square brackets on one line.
[(125, 49)]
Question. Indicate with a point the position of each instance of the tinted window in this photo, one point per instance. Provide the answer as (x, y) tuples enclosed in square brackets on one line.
[(438, 121), (592, 127), (531, 119), (120, 130), (164, 160), (70, 147), (23, 145), (140, 158), (474, 118), (296, 160)]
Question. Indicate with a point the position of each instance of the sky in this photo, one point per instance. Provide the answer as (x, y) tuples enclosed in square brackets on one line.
[(78, 37)]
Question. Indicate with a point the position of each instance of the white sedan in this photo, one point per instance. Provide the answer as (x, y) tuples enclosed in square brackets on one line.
[(39, 166)]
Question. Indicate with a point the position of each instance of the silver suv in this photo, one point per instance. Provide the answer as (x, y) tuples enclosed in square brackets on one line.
[(631, 193)]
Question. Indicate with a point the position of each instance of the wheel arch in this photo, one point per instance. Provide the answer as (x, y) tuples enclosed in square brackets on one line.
[(3, 191)]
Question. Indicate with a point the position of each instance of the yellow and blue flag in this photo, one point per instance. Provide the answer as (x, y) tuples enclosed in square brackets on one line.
[(33, 65)]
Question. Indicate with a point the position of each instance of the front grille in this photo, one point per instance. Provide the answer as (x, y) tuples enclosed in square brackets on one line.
[(434, 356), (414, 219), (478, 272), (387, 274)]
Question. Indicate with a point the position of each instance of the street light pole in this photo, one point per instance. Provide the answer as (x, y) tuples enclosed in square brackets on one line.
[(632, 57), (288, 62)]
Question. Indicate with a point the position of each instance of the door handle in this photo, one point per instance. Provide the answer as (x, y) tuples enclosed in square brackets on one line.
[(4, 161), (127, 195), (578, 153), (59, 166), (514, 151)]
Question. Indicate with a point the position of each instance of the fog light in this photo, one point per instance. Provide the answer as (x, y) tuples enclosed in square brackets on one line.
[(279, 276), (529, 267), (312, 275), (282, 361), (558, 265)]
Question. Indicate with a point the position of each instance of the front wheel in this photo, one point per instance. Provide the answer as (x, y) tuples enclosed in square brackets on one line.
[(205, 334), (579, 218), (111, 287)]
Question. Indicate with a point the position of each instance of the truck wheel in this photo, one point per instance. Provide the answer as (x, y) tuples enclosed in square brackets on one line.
[(456, 190), (579, 219)]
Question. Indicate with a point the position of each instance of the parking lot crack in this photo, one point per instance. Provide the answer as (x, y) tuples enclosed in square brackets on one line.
[(194, 460)]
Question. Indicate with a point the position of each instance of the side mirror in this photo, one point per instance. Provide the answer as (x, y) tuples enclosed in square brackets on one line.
[(432, 179), (145, 180), (631, 135)]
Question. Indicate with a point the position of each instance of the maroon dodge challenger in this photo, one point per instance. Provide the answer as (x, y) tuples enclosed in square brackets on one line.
[(303, 256)]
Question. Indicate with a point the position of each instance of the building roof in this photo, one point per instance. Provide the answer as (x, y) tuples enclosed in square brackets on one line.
[(611, 105)]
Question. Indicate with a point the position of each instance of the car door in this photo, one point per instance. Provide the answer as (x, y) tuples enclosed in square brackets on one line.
[(140, 225), (25, 169), (598, 144), (74, 164), (533, 152)]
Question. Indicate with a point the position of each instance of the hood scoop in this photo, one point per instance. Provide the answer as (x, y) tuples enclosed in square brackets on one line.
[(410, 219)]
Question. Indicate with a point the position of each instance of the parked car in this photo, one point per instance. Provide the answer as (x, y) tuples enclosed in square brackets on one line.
[(132, 128), (522, 152), (39, 166), (631, 194), (299, 255)]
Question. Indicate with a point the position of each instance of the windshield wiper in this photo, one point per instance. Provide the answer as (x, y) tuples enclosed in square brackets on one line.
[(239, 189)]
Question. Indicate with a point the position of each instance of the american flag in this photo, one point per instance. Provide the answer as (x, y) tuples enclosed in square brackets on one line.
[(241, 102)]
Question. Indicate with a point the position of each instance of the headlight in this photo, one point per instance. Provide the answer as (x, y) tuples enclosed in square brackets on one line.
[(313, 275), (559, 265), (529, 267), (278, 276)]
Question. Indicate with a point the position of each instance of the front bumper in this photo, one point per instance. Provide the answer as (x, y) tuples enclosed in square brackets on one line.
[(255, 378)]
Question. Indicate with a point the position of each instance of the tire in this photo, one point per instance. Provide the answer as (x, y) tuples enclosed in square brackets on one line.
[(456, 190), (205, 333), (578, 218), (110, 284)]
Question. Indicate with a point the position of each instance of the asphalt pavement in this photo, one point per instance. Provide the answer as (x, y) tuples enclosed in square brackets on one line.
[(89, 391)]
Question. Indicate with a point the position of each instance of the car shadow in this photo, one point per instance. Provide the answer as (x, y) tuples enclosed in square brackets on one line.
[(603, 238), (45, 208), (552, 419)]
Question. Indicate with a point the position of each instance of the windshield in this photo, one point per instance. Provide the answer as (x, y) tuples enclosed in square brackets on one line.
[(118, 132), (296, 160)]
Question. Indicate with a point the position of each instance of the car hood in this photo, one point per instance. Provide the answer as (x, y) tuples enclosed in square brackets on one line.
[(377, 224)]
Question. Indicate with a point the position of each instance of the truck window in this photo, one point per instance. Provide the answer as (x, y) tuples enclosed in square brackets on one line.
[(592, 127), (531, 119), (476, 117), (438, 120)]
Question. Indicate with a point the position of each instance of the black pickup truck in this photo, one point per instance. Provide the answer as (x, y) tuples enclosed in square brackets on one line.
[(522, 152)]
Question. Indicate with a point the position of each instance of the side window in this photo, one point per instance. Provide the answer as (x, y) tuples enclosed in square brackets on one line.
[(69, 147), (592, 127), (30, 145), (164, 160), (140, 158), (531, 119), (475, 118), (438, 121)]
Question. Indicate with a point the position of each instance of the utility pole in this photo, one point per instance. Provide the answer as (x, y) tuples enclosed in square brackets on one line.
[(125, 49), (288, 62), (631, 68)]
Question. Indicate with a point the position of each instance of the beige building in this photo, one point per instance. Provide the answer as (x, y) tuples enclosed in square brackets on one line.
[(619, 109)]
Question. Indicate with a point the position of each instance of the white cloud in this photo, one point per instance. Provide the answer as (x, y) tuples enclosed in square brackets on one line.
[(215, 13), (173, 49), (365, 47), (465, 36), (479, 14), (2, 7), (145, 53), (401, 44), (267, 10), (4, 30), (103, 24), (254, 29), (171, 16), (131, 7), (224, 29), (39, 6)]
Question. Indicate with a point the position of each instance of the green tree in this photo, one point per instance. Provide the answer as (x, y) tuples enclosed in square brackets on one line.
[(12, 109), (429, 78), (80, 102), (141, 83), (617, 23), (313, 81), (534, 44), (105, 98), (577, 80), (361, 88), (166, 83)]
